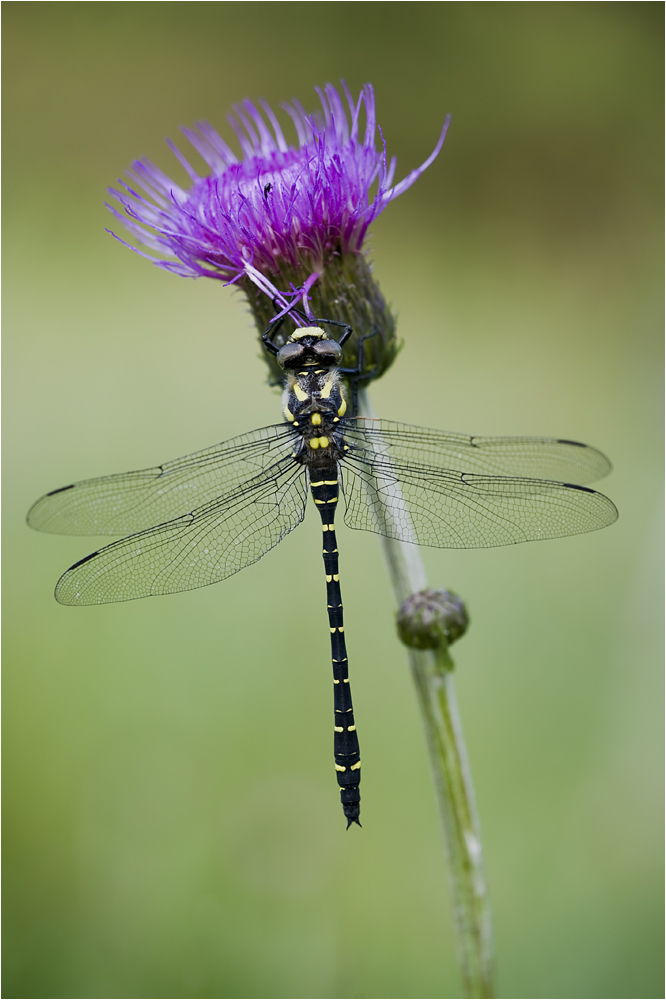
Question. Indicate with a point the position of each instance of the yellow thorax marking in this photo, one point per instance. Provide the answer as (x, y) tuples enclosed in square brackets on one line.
[(298, 393), (343, 408), (309, 331), (288, 414), (315, 419), (325, 391)]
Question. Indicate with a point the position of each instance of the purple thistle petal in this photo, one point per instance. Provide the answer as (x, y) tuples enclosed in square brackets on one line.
[(146, 188), (207, 152), (304, 117), (370, 123), (298, 124), (324, 104), (279, 137), (415, 174), (217, 143), (250, 129), (245, 143), (267, 141), (183, 162), (354, 109)]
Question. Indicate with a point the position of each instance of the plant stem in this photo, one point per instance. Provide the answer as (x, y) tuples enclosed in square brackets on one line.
[(432, 673)]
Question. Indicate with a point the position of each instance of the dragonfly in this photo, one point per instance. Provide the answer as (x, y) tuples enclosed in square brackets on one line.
[(201, 518)]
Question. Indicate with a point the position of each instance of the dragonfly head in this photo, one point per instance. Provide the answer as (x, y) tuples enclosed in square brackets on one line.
[(309, 345)]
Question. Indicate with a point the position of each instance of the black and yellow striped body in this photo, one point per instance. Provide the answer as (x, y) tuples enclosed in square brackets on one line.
[(313, 402), (345, 742)]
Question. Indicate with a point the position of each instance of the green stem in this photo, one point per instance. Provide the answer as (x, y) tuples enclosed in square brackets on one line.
[(432, 673)]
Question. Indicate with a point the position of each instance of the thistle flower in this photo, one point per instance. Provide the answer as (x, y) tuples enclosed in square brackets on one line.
[(284, 222)]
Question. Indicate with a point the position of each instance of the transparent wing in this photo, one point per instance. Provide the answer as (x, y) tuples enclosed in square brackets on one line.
[(427, 505), (132, 501), (202, 547), (541, 458)]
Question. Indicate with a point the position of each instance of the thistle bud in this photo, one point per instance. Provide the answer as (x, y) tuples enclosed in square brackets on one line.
[(432, 619)]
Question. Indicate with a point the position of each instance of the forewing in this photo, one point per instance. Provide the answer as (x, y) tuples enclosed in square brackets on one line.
[(202, 547), (429, 506), (533, 457), (132, 501)]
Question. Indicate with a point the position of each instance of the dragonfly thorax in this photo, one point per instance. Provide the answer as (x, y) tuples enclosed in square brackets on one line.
[(313, 402)]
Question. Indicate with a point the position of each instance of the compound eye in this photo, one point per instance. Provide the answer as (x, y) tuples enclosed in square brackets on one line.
[(328, 351), (290, 356)]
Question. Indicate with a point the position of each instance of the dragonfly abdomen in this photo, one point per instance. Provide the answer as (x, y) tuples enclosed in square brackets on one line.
[(324, 489)]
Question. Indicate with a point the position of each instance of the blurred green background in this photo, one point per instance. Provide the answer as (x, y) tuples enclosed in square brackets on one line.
[(172, 825)]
